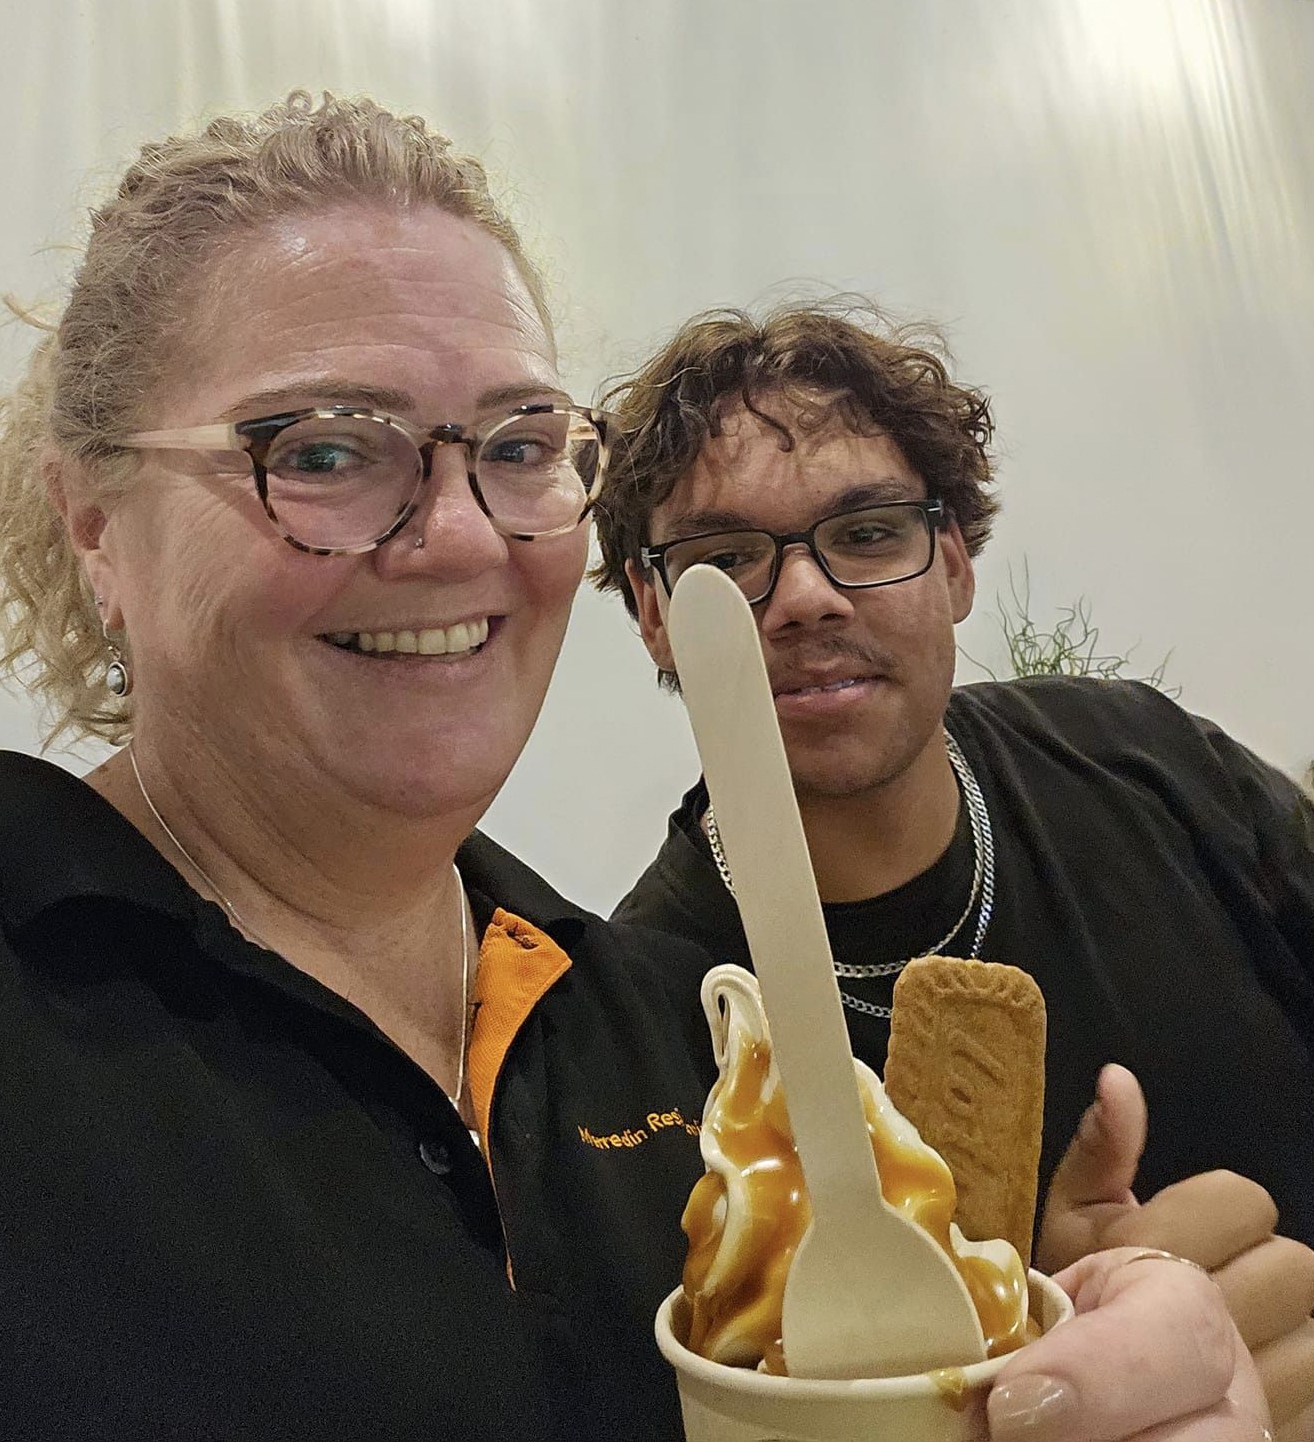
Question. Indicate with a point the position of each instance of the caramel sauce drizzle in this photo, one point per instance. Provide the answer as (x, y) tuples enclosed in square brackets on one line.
[(736, 1299)]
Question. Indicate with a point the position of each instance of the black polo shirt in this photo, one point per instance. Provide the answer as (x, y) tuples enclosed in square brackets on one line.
[(230, 1208)]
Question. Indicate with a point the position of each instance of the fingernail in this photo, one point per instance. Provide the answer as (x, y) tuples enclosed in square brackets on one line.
[(1092, 1122), (1035, 1408)]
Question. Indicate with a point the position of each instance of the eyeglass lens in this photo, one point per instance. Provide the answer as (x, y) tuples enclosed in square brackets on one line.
[(344, 480), (875, 546)]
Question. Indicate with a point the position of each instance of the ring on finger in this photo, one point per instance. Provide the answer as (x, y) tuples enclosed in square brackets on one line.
[(1156, 1254), (1242, 1413)]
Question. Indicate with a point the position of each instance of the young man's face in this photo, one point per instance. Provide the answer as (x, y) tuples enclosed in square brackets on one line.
[(861, 677)]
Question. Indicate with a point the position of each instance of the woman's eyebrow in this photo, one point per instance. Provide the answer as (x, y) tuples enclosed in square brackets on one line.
[(339, 390), (521, 392), (336, 389)]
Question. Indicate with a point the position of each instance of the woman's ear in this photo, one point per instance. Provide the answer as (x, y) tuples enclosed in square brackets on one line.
[(84, 520)]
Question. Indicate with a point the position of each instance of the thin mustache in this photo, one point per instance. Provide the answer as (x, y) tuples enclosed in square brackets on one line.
[(817, 649)]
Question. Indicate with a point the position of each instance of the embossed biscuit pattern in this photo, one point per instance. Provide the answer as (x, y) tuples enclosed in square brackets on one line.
[(966, 1066)]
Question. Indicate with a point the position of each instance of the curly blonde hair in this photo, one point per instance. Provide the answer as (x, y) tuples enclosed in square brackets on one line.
[(178, 206)]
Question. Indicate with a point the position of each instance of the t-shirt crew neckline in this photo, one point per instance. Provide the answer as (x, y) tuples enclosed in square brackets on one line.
[(907, 921)]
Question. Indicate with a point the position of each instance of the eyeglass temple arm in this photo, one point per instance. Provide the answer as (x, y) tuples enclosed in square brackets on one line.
[(189, 438)]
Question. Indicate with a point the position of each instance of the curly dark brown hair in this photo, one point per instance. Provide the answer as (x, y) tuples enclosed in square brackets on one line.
[(840, 359)]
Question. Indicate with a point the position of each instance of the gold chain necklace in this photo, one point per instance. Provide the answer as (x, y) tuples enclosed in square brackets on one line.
[(243, 926)]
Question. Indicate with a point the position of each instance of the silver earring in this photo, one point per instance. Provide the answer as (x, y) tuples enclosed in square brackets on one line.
[(118, 678)]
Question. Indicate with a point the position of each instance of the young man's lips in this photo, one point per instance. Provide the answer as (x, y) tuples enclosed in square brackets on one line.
[(801, 686), (823, 699)]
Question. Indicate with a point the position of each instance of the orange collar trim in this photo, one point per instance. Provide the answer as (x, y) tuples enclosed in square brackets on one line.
[(518, 964)]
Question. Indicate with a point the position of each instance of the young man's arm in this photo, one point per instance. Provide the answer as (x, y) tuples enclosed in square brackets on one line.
[(1283, 820)]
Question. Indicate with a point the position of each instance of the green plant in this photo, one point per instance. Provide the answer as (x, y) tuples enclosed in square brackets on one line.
[(1069, 648)]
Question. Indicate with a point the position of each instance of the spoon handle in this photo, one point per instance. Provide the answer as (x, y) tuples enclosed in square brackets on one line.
[(724, 684)]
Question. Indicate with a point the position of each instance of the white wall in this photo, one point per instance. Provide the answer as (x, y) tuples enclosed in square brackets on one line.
[(1110, 203)]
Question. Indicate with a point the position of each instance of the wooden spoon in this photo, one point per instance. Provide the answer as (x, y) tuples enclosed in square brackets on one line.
[(869, 1293)]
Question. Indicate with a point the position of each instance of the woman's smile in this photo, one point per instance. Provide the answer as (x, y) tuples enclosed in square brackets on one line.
[(462, 638)]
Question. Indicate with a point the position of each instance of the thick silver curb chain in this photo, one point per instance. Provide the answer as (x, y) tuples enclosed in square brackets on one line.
[(983, 884)]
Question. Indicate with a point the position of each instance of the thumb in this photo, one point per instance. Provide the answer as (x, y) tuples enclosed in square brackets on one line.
[(1100, 1163), (1091, 1187)]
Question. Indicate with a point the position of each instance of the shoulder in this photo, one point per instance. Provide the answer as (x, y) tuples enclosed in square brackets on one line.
[(28, 784), (60, 840), (53, 829), (1125, 735), (1101, 717), (630, 991), (1083, 720), (1083, 705), (660, 897), (681, 892), (506, 881), (640, 955)]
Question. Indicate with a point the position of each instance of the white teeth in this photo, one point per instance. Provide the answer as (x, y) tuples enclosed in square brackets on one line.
[(830, 686), (433, 641)]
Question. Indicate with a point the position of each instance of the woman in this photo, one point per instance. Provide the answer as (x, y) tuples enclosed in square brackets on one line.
[(293, 504)]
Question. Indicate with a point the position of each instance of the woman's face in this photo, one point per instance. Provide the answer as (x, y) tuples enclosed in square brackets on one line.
[(417, 313)]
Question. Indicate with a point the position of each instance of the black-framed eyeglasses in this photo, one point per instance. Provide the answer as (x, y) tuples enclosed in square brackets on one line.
[(874, 546), (340, 481)]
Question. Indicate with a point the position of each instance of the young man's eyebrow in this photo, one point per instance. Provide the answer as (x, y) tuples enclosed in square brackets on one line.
[(875, 493), (854, 498), (695, 523)]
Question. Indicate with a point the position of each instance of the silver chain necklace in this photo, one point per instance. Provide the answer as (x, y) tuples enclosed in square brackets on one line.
[(983, 884), (243, 926)]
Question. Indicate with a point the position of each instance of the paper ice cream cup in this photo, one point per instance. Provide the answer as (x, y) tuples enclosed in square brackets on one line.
[(735, 1404)]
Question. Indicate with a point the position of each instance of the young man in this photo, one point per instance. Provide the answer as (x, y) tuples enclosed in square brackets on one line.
[(1154, 876)]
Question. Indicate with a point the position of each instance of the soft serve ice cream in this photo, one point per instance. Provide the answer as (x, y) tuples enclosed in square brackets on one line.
[(748, 1212)]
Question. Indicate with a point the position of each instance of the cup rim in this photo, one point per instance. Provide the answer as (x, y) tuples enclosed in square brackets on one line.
[(765, 1384)]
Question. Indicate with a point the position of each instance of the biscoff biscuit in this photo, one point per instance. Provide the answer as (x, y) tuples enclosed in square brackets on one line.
[(966, 1066)]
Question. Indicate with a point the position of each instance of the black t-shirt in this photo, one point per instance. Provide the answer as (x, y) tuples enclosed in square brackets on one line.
[(231, 1209), (1154, 877)]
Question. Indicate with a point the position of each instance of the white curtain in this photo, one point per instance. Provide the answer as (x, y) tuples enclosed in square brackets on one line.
[(1109, 203)]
